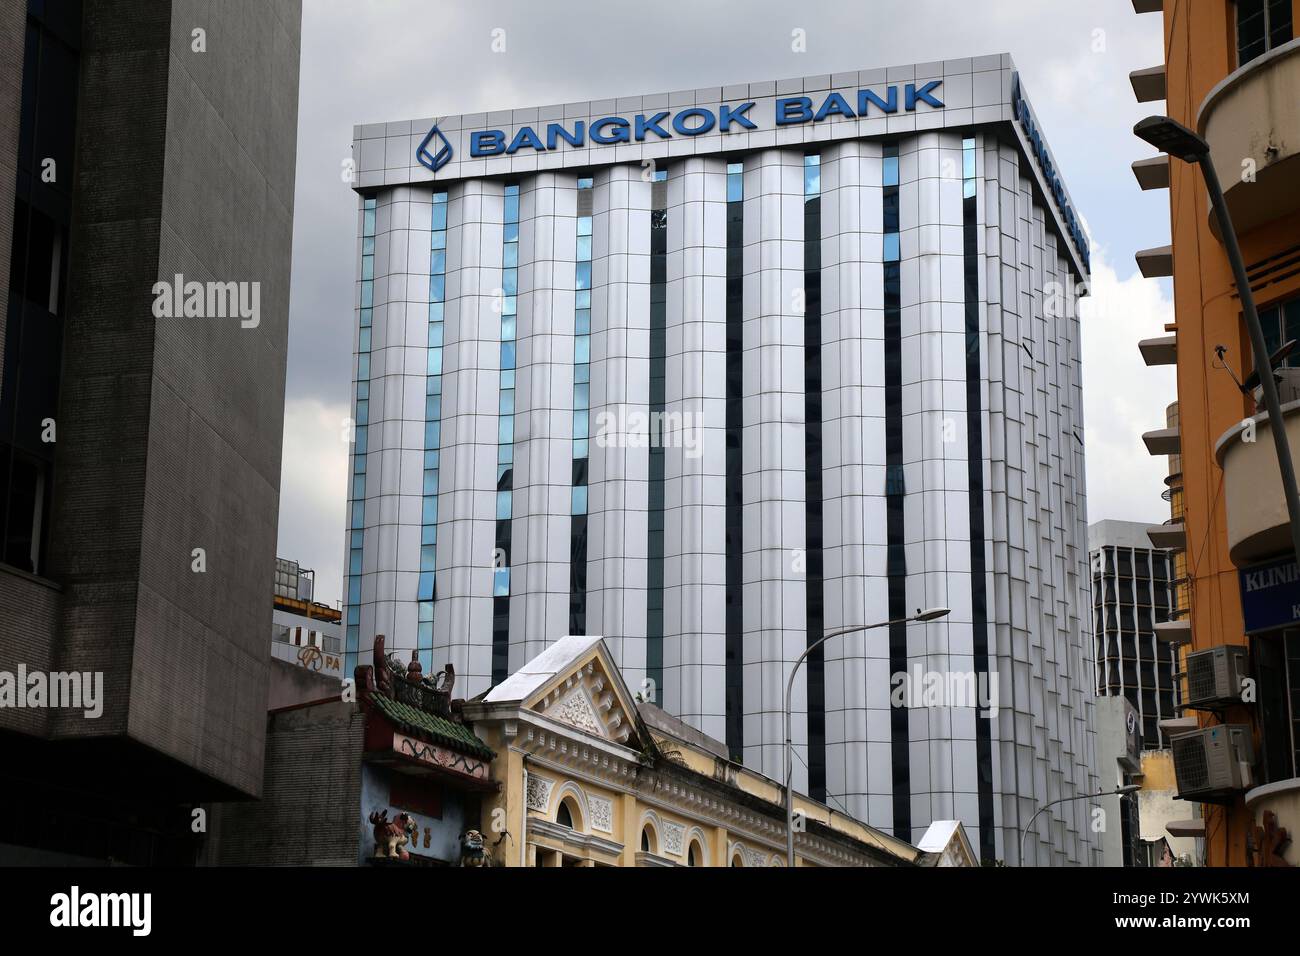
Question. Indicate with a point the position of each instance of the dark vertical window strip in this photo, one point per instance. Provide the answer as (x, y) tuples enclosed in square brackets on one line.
[(896, 567), (505, 437), (735, 620), (581, 414), (38, 276), (427, 591), (361, 416), (814, 590), (975, 475), (654, 655)]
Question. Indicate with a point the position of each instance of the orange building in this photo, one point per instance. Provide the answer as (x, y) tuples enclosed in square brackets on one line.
[(1231, 72)]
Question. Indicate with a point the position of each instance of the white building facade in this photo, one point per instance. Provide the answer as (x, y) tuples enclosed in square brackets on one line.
[(713, 373)]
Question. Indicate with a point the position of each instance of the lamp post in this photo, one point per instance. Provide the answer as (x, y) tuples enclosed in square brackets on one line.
[(929, 615), (1176, 140), (1120, 791)]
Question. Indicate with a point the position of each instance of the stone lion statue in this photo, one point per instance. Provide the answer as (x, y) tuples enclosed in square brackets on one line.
[(392, 836)]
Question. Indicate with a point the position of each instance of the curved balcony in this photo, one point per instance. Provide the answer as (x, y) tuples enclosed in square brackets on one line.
[(1282, 800), (1254, 114), (1258, 526)]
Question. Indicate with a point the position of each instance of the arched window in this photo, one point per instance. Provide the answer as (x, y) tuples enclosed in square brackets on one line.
[(738, 859), (564, 815), (694, 856), (647, 840)]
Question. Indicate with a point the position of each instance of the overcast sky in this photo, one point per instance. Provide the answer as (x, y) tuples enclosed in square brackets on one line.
[(386, 60)]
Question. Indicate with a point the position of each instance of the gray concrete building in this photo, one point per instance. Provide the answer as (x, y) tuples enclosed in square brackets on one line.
[(147, 161)]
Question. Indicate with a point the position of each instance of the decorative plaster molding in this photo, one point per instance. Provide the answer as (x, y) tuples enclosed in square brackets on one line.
[(602, 814), (539, 793)]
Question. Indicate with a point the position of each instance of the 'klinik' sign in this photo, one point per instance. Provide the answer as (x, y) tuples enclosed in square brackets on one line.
[(435, 152)]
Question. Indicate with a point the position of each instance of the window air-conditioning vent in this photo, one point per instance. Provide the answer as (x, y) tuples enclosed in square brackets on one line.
[(1214, 676), (1212, 762)]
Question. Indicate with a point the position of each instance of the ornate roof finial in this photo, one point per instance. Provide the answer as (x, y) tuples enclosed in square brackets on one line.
[(414, 672)]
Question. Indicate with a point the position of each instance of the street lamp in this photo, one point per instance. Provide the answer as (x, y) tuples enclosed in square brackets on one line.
[(1118, 791), (1176, 140), (931, 614)]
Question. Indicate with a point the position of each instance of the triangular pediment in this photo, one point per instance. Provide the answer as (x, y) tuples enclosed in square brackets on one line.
[(587, 698)]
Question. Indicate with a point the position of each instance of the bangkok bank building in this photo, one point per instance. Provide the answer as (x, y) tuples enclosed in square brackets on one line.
[(715, 373)]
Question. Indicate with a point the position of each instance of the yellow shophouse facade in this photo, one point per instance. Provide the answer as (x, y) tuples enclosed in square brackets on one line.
[(589, 776)]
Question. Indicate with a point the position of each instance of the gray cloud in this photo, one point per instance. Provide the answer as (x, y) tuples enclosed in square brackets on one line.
[(398, 59)]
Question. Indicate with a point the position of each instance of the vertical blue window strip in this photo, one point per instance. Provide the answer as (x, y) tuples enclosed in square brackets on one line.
[(815, 602), (426, 593), (361, 416), (505, 436), (975, 485), (581, 418), (735, 523), (895, 491), (654, 652)]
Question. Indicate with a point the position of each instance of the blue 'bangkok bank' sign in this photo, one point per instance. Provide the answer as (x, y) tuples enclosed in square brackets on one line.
[(435, 151)]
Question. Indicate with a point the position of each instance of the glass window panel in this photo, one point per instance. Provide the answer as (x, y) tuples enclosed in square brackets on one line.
[(434, 365), (436, 311), (891, 171), (582, 321), (368, 246), (438, 241), (425, 612), (354, 563), (368, 226), (438, 262), (439, 216), (430, 481), (432, 434), (363, 413), (431, 458), (354, 616), (891, 247), (508, 378), (582, 349), (584, 249), (579, 500), (584, 275), (511, 232), (354, 590), (501, 582), (429, 510), (428, 557), (429, 534), (367, 318), (508, 355), (435, 334), (425, 592), (363, 341), (367, 295), (580, 419), (503, 505), (584, 225), (581, 395), (582, 372), (582, 448), (507, 403), (584, 300), (358, 514), (510, 255), (505, 431), (510, 281), (437, 288), (508, 327), (433, 408), (367, 268), (505, 454), (362, 442), (363, 389), (509, 306)]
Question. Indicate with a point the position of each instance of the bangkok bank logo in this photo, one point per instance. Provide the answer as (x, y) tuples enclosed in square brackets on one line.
[(434, 151)]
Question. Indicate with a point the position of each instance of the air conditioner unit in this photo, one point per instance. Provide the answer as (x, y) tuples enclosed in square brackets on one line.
[(1214, 676), (1213, 761)]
